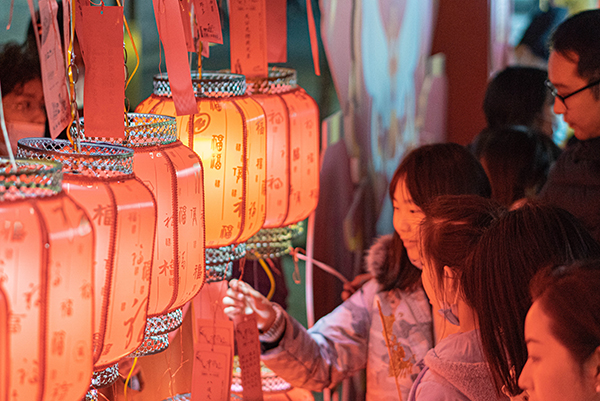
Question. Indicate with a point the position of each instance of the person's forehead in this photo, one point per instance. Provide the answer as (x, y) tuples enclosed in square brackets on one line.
[(562, 70), (401, 194)]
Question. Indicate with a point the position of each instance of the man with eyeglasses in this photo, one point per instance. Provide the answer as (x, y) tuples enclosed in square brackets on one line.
[(574, 81)]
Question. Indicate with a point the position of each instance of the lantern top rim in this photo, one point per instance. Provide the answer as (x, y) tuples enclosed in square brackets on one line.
[(279, 80), (100, 160), (210, 85), (32, 179), (142, 131)]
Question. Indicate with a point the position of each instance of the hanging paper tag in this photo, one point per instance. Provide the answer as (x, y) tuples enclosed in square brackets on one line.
[(312, 31), (54, 79), (248, 37), (213, 345), (209, 20), (186, 19), (78, 25), (211, 372), (170, 30), (248, 347), (277, 31), (104, 89)]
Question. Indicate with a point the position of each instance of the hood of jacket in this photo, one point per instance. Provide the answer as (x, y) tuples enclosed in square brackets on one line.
[(459, 360), (376, 257)]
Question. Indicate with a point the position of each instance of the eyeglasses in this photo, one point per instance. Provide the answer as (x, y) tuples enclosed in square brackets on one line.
[(554, 92)]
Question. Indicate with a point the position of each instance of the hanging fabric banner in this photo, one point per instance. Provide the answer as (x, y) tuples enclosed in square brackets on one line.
[(170, 30), (248, 37), (54, 79), (104, 89), (277, 31), (209, 21)]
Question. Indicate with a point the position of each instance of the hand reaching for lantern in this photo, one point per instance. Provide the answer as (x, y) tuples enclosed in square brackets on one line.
[(241, 299)]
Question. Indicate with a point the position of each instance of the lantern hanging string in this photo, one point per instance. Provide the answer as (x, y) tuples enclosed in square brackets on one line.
[(298, 253), (137, 56), (5, 134), (200, 48), (72, 73), (269, 275)]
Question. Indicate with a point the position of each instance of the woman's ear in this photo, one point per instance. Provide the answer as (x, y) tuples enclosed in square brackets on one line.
[(593, 364)]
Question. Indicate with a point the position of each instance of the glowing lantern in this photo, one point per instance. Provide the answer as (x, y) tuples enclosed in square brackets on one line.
[(123, 213), (173, 172), (46, 269), (292, 158), (228, 134)]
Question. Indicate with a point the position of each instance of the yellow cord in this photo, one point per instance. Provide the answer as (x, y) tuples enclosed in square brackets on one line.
[(129, 377), (137, 57), (269, 274)]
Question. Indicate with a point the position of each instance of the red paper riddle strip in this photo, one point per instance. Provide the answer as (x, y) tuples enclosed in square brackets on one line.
[(54, 81), (248, 41), (172, 36), (277, 31), (209, 21), (104, 89)]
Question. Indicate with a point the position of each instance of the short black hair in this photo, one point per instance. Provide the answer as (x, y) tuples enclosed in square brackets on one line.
[(517, 161), (515, 96), (17, 67), (580, 36)]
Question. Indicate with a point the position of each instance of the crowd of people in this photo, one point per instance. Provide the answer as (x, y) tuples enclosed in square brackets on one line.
[(488, 288)]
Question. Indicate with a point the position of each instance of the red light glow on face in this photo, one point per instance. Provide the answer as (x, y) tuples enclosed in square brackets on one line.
[(551, 373)]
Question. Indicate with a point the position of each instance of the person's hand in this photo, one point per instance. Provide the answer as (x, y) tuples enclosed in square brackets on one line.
[(352, 286), (241, 299)]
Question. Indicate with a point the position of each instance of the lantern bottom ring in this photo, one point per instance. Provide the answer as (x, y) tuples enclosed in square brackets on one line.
[(270, 243), (219, 261), (165, 323), (91, 395), (103, 378), (151, 345)]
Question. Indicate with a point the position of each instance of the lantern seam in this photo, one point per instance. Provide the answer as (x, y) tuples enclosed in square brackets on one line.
[(43, 296)]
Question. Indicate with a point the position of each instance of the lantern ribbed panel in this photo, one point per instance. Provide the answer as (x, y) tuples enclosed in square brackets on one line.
[(304, 154), (46, 269), (228, 134), (278, 162), (174, 174), (123, 213), (293, 146)]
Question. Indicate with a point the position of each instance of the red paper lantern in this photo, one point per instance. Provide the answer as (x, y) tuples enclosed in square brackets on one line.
[(46, 269), (292, 158), (228, 134), (123, 213), (173, 172)]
